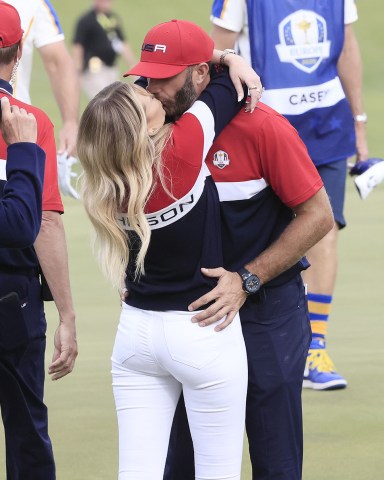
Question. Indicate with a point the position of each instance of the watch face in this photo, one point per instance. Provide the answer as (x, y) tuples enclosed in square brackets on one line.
[(252, 284)]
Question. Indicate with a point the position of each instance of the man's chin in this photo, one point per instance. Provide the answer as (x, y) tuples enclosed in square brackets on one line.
[(171, 112)]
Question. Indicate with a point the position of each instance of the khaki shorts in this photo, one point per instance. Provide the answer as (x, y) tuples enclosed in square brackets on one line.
[(94, 80)]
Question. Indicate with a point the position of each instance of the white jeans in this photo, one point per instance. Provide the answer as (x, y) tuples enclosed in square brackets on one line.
[(155, 356)]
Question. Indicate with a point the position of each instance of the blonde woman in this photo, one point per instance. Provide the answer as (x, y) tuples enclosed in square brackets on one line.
[(156, 214)]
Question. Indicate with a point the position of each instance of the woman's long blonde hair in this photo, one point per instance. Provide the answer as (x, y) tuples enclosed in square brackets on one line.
[(117, 155)]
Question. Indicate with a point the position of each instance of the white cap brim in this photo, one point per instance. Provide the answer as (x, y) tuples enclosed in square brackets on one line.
[(368, 180)]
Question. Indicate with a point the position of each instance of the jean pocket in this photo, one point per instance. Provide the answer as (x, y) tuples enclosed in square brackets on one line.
[(190, 344)]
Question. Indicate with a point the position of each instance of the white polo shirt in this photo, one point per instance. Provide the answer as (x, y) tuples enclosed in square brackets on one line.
[(41, 27)]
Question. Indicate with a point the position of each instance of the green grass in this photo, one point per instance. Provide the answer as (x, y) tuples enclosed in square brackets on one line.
[(344, 430)]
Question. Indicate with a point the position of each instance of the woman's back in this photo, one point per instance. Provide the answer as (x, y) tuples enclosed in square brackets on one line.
[(183, 211)]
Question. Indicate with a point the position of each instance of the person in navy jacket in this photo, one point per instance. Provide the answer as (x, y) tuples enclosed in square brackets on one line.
[(22, 263), (21, 201)]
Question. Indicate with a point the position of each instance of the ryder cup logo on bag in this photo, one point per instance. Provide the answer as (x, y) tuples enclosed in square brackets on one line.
[(303, 40), (221, 159)]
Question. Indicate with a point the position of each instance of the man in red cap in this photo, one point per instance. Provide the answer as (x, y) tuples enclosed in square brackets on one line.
[(22, 319), (273, 209)]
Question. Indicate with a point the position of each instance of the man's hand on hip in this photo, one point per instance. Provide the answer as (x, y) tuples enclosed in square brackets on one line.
[(228, 297)]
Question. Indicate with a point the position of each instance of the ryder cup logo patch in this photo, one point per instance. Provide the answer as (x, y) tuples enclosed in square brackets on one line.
[(303, 40), (221, 159)]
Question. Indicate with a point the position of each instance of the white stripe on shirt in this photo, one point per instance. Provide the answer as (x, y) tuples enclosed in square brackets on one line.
[(230, 191)]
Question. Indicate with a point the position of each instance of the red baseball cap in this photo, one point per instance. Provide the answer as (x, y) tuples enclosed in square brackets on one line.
[(170, 47), (10, 25)]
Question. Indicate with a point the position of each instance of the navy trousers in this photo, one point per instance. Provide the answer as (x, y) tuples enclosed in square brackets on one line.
[(277, 335), (22, 347)]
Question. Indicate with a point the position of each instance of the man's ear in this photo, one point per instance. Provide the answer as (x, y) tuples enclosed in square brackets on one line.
[(20, 51), (201, 73)]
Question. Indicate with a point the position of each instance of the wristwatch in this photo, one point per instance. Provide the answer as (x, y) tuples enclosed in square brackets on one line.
[(251, 282), (361, 118), (225, 53)]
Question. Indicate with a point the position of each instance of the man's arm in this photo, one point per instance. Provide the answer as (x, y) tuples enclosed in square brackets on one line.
[(350, 72), (223, 38), (21, 203), (66, 88), (51, 250), (78, 57), (312, 221), (128, 55)]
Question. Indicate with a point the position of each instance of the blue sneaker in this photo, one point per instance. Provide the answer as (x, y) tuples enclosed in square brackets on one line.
[(320, 373)]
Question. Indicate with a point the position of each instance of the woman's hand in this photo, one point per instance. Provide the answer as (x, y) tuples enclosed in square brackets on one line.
[(241, 73)]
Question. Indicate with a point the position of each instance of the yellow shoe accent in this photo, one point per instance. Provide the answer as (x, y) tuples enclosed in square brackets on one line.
[(319, 359), (320, 372)]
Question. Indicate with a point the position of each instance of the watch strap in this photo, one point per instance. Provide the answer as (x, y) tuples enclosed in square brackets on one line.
[(244, 273), (224, 54), (251, 282), (361, 118)]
